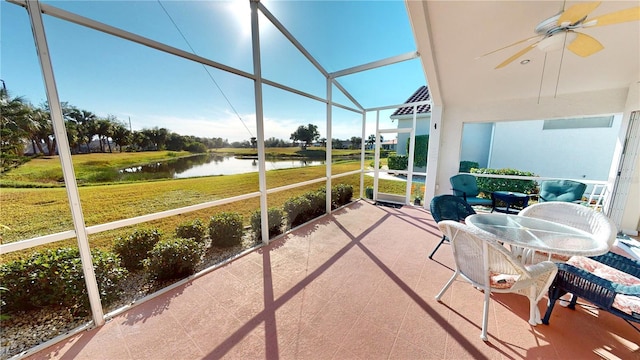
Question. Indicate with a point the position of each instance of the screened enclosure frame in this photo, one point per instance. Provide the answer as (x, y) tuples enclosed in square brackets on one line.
[(35, 10)]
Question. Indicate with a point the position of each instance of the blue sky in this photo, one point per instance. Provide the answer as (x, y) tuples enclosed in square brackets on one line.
[(111, 76)]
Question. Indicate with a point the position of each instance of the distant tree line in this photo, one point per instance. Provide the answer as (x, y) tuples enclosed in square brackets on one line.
[(25, 127), (307, 135), (28, 128)]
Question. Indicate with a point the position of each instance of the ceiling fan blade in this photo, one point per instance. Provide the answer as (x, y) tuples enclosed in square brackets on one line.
[(510, 45), (517, 55), (576, 13), (584, 45), (631, 14)]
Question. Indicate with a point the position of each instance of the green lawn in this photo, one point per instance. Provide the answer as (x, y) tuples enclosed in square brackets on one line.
[(102, 168), (31, 212), (46, 171)]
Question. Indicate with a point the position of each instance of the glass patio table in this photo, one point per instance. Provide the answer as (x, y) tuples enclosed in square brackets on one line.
[(538, 235), (527, 235)]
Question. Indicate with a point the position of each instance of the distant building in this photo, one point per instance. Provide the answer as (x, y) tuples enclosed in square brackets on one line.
[(404, 116), (390, 145)]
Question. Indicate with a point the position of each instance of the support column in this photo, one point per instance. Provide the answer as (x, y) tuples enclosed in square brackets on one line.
[(412, 147), (330, 147), (64, 151), (257, 86), (362, 153)]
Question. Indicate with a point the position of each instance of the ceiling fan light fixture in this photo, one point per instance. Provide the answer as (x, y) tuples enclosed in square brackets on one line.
[(557, 41)]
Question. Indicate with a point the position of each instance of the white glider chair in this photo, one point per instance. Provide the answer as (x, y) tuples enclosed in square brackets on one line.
[(487, 265), (574, 215)]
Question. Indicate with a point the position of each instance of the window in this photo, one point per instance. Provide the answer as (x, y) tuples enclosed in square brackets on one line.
[(578, 123)]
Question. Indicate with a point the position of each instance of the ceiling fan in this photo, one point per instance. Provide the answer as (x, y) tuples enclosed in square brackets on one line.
[(559, 30)]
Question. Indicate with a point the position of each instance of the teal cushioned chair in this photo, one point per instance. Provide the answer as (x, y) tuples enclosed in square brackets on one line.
[(561, 190), (465, 185)]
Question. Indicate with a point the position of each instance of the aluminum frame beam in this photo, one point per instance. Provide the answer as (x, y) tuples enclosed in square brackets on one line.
[(257, 71), (376, 64), (303, 50), (64, 152), (123, 34)]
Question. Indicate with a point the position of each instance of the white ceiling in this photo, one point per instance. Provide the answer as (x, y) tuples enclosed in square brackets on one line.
[(450, 35)]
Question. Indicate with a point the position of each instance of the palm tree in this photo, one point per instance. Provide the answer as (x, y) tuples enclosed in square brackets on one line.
[(121, 135), (104, 129), (14, 115), (72, 136), (371, 140), (141, 141), (158, 136), (85, 120), (30, 126), (43, 132)]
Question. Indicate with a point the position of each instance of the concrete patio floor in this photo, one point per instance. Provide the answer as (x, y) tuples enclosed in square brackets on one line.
[(353, 285)]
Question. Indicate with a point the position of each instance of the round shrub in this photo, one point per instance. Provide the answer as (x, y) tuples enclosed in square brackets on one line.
[(341, 194), (296, 209), (110, 275), (193, 229), (318, 201), (225, 229), (134, 248), (173, 259), (368, 192), (54, 277), (274, 216)]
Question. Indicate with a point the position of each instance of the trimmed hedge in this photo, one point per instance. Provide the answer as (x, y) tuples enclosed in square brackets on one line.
[(173, 259), (297, 209), (225, 229), (134, 248), (274, 217), (420, 151), (368, 192), (398, 162), (193, 229), (341, 194), (466, 166), (305, 207), (497, 184), (54, 277)]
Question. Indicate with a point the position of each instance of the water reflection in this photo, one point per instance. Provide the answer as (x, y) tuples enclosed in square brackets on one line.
[(209, 165)]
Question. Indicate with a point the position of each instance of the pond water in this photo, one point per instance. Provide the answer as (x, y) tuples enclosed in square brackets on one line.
[(209, 165)]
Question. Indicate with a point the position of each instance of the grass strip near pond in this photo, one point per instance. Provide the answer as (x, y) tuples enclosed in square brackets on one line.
[(29, 213), (46, 171), (103, 168)]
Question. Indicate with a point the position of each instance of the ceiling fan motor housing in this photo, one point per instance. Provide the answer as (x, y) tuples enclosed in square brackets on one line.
[(547, 25), (550, 26)]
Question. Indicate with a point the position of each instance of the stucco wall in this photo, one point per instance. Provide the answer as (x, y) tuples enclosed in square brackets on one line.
[(567, 153), (453, 117), (476, 138)]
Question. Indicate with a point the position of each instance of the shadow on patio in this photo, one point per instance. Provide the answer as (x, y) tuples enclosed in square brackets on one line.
[(353, 285)]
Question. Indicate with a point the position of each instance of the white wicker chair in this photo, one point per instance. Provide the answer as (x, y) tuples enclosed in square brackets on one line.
[(574, 215), (488, 265)]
